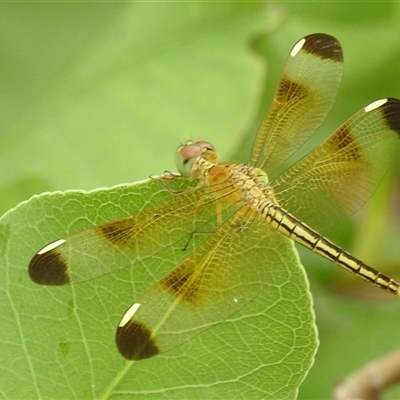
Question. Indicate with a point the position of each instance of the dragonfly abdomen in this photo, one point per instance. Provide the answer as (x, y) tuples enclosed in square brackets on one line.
[(301, 233)]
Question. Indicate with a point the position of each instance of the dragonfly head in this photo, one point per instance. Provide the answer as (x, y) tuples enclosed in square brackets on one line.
[(189, 152)]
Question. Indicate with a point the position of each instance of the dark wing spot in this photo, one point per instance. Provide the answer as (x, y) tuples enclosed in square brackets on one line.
[(180, 282), (49, 269), (344, 141), (391, 113), (289, 91), (323, 46), (134, 341), (117, 232)]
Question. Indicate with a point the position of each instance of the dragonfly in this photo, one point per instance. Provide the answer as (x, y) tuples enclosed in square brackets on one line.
[(216, 224)]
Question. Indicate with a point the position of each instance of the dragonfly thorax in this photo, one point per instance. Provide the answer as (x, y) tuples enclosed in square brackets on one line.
[(231, 183), (253, 184)]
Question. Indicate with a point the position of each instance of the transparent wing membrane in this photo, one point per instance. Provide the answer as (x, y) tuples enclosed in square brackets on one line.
[(306, 92), (337, 178)]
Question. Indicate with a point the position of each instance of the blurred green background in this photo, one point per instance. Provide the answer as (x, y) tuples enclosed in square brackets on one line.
[(96, 94)]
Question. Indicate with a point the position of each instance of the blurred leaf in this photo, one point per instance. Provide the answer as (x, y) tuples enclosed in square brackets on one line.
[(109, 100)]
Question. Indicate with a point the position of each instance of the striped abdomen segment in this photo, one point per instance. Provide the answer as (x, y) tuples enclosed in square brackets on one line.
[(296, 230)]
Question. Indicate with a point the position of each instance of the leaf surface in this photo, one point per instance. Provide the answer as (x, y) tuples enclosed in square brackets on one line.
[(61, 339)]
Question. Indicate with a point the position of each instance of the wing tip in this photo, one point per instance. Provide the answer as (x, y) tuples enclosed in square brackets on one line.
[(49, 269), (324, 46), (135, 342), (391, 113)]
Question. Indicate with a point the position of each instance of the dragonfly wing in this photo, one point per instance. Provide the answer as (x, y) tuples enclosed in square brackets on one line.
[(336, 178), (306, 92), (166, 227), (227, 271)]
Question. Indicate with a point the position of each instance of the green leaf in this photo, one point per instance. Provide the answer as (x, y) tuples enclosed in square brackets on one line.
[(61, 339)]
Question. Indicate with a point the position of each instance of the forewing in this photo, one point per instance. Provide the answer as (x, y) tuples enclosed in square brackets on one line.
[(336, 178), (305, 94), (166, 227), (227, 271)]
